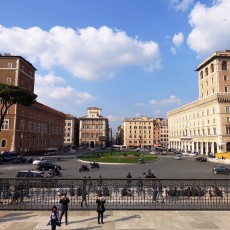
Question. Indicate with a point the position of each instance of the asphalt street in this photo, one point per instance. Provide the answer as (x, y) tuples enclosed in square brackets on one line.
[(166, 168)]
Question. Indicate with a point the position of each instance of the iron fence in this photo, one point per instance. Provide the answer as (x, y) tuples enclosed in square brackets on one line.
[(120, 194)]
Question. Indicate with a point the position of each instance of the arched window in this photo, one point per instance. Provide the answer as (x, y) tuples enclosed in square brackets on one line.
[(206, 71), (201, 75), (3, 143), (212, 68), (224, 65)]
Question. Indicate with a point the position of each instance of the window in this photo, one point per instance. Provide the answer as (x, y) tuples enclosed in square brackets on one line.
[(201, 75), (228, 130), (8, 80), (22, 125), (206, 71), (228, 119), (5, 124), (214, 131), (224, 65), (3, 143), (225, 78), (225, 89), (22, 83), (9, 65), (212, 68)]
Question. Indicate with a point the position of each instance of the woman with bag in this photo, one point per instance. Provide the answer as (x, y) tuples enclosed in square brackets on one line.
[(100, 208), (54, 218)]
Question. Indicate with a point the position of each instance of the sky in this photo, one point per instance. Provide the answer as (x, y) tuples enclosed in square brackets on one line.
[(131, 58)]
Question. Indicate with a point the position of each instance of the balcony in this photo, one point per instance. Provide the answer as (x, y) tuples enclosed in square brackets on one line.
[(184, 138)]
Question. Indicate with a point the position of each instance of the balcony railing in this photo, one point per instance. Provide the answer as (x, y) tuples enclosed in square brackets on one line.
[(126, 194)]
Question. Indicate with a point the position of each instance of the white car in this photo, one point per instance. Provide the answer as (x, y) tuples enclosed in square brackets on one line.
[(153, 153), (39, 160), (178, 157)]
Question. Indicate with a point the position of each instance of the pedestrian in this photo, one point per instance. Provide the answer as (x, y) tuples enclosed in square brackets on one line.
[(160, 197), (129, 177), (64, 208), (154, 191), (100, 208), (84, 192), (54, 218)]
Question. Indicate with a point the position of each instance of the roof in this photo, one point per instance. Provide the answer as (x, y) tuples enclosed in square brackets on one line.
[(20, 57)]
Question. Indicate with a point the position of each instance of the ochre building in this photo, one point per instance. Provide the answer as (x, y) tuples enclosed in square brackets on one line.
[(145, 132), (203, 126)]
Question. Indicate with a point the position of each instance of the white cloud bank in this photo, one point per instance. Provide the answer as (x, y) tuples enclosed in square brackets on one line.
[(210, 27), (51, 91), (87, 53)]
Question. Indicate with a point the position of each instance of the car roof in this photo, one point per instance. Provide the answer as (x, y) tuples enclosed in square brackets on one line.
[(33, 171)]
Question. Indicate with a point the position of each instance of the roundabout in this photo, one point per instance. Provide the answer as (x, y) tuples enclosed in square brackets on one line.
[(119, 157)]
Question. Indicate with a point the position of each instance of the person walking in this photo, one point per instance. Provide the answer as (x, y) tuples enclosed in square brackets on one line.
[(54, 218), (84, 192), (129, 177), (100, 208), (64, 208)]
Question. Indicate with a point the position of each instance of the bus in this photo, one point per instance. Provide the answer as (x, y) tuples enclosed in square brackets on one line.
[(116, 147), (51, 151)]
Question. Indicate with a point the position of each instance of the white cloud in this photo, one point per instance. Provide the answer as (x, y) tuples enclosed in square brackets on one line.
[(210, 27), (50, 91), (170, 101), (114, 118), (181, 5), (173, 50), (140, 104), (87, 53), (178, 39)]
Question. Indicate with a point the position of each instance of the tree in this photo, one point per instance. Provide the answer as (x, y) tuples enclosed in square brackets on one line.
[(10, 95)]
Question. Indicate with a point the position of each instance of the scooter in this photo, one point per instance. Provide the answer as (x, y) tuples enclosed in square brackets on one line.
[(94, 165), (84, 168)]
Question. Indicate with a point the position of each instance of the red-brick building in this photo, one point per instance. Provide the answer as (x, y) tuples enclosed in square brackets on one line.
[(32, 128)]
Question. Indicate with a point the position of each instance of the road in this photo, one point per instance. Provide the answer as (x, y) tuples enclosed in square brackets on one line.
[(166, 168)]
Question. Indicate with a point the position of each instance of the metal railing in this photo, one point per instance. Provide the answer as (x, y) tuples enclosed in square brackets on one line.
[(120, 194)]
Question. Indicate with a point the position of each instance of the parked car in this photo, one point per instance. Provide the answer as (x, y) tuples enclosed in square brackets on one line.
[(39, 160), (30, 174), (19, 160), (201, 159), (8, 155), (220, 169), (47, 166)]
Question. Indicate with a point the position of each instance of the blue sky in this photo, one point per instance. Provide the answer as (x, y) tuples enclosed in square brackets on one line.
[(128, 57)]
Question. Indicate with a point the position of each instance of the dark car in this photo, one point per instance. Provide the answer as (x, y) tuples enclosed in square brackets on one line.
[(30, 174), (220, 169), (47, 166), (19, 160), (201, 159)]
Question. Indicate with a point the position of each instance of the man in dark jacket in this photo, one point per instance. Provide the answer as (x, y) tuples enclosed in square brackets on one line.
[(64, 208)]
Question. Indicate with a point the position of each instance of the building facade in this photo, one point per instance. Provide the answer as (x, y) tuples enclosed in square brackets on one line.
[(144, 132), (203, 125), (71, 131), (94, 129), (32, 128)]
